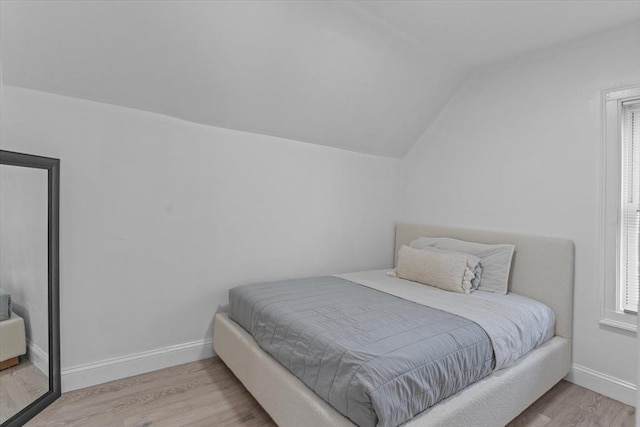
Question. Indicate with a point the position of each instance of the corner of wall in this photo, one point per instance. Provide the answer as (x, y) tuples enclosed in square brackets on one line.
[(607, 385)]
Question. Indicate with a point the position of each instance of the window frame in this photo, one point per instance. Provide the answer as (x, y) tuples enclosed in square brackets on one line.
[(612, 313)]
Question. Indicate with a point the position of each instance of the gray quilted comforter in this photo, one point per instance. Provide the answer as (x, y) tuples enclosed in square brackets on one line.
[(377, 358)]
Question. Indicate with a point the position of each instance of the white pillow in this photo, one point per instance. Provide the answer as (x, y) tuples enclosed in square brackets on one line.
[(494, 259), (445, 270)]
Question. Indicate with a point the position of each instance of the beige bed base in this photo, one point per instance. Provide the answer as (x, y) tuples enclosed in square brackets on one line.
[(542, 269), (13, 341)]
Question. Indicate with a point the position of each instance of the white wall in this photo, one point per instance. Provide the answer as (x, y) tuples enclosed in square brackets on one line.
[(24, 252), (160, 217), (518, 149)]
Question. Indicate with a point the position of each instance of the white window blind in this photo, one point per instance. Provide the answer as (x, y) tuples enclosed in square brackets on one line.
[(630, 209)]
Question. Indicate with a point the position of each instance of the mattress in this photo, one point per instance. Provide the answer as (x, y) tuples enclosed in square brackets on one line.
[(378, 358)]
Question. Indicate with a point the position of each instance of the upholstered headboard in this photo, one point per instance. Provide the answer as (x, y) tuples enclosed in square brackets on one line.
[(542, 267)]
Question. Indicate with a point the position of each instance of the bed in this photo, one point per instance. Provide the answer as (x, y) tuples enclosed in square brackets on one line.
[(542, 269), (13, 343)]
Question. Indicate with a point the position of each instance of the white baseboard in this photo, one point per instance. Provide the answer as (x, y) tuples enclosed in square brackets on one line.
[(116, 368), (607, 385), (38, 357)]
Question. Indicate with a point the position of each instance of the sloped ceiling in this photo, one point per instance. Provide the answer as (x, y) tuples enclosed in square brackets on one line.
[(478, 33), (363, 76)]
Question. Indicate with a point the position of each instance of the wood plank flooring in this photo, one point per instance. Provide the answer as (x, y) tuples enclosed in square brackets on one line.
[(19, 386), (567, 404), (206, 393)]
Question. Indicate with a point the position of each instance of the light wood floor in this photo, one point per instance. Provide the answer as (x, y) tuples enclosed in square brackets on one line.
[(19, 386), (206, 393), (567, 404)]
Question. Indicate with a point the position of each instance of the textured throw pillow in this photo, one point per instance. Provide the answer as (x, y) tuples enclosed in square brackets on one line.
[(495, 259), (444, 270), (474, 263)]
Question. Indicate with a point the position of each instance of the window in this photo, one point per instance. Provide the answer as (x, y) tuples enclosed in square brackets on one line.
[(629, 211), (620, 207)]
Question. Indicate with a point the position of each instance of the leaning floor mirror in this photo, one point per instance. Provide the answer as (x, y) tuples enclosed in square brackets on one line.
[(29, 304)]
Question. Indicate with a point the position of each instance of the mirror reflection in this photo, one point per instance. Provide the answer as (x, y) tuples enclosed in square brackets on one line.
[(24, 346)]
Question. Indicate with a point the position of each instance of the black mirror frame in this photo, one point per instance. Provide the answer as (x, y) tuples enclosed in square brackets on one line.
[(52, 166)]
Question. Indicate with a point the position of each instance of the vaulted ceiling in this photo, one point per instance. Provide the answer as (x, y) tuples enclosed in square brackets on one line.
[(368, 76)]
